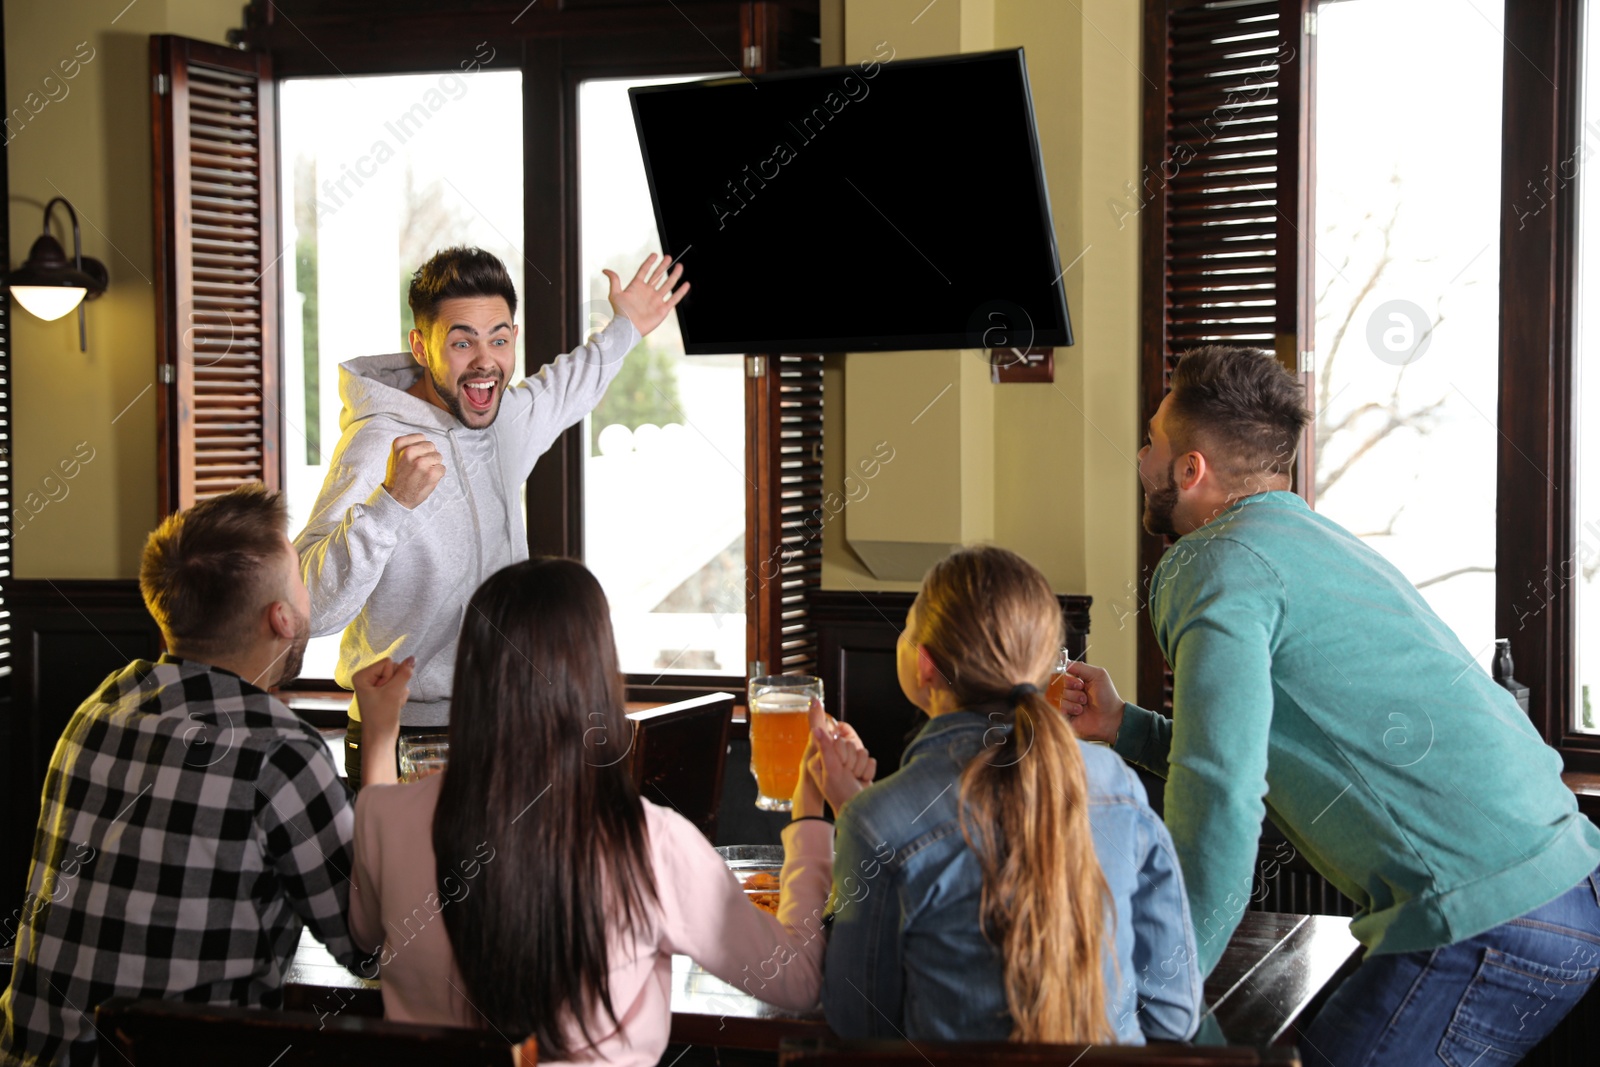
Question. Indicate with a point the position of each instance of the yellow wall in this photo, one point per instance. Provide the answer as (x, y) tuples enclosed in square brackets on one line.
[(90, 142), (1061, 456)]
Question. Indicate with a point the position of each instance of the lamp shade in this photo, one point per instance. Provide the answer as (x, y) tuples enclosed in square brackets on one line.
[(49, 302)]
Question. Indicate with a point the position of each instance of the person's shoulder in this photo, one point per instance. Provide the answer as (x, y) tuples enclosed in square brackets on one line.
[(916, 801), (668, 830), (1224, 554), (678, 852), (1110, 777)]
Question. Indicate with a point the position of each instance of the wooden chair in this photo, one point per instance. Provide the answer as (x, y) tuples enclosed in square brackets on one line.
[(171, 1033), (832, 1052), (679, 753)]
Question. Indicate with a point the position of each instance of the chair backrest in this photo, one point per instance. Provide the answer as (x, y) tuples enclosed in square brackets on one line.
[(679, 752), (171, 1033), (832, 1052)]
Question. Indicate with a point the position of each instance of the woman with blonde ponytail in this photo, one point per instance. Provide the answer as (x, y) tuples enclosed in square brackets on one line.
[(1008, 881)]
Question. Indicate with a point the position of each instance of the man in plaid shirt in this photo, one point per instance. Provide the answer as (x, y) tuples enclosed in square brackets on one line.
[(191, 824)]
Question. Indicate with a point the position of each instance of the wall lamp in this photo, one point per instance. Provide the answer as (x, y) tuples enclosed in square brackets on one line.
[(49, 284)]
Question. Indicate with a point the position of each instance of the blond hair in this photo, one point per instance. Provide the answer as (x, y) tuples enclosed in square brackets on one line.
[(990, 623), (208, 571)]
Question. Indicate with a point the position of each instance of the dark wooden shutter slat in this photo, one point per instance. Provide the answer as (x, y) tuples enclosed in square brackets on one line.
[(217, 239)]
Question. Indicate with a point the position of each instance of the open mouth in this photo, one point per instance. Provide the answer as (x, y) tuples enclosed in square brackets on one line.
[(479, 393)]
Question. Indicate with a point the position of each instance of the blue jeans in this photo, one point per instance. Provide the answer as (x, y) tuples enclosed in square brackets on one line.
[(1479, 1002)]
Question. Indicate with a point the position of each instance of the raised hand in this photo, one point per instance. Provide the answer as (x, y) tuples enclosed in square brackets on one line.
[(382, 688), (651, 296), (415, 467), (1091, 703)]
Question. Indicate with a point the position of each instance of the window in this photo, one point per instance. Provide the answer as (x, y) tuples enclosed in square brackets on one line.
[(668, 441), (378, 173)]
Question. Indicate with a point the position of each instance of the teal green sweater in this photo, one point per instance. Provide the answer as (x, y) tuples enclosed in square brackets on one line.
[(1313, 682)]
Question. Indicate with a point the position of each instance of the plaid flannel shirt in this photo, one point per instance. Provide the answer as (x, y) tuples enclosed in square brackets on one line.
[(191, 825)]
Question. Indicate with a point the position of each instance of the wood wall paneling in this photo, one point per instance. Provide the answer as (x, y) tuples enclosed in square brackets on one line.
[(69, 636)]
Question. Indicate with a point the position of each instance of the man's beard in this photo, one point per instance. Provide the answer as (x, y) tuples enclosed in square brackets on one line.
[(452, 399), (295, 657), (1159, 505)]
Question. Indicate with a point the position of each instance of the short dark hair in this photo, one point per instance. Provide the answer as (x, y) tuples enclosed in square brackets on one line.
[(208, 571), (1238, 406), (457, 272)]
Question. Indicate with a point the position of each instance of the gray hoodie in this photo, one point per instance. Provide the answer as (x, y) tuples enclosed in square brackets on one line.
[(397, 581)]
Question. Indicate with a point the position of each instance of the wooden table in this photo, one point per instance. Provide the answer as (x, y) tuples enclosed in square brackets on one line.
[(1272, 969)]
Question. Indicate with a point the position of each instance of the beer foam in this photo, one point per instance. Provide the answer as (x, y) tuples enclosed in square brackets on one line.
[(782, 703)]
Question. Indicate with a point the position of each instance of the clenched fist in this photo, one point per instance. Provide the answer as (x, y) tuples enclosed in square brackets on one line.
[(415, 467)]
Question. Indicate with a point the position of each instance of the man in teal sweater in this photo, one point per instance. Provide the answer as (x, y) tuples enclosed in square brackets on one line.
[(1314, 684)]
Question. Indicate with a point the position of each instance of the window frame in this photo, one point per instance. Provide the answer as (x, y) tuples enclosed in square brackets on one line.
[(1536, 523)]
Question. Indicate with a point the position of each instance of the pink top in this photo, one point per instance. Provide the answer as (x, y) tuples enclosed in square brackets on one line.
[(702, 913)]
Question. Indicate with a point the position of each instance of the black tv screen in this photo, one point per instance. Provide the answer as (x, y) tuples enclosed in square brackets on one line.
[(892, 204)]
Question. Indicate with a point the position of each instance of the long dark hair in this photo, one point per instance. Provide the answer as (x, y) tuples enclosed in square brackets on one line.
[(989, 621), (539, 775)]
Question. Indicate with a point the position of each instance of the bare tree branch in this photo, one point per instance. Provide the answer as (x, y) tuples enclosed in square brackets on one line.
[(1371, 283), (1388, 530), (1417, 420), (1447, 575)]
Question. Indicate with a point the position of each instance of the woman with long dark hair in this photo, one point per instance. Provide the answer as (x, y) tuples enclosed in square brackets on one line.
[(528, 887), (1008, 882)]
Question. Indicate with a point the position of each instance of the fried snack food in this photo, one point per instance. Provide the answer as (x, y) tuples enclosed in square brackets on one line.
[(761, 889)]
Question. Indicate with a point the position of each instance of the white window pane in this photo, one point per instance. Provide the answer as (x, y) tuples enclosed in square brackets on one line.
[(1407, 276), (664, 477)]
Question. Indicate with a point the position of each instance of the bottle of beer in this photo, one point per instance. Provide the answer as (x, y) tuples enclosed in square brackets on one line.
[(1502, 673)]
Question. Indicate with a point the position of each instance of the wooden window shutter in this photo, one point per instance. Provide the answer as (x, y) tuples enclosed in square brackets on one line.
[(1224, 207), (784, 505), (783, 428), (217, 290)]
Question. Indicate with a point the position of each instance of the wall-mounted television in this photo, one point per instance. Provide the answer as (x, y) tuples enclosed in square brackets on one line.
[(892, 204)]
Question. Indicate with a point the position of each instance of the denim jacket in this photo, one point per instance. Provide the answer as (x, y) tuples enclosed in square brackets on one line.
[(907, 956)]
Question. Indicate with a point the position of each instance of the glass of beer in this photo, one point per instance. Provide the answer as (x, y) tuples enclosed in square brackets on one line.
[(780, 724), (1056, 692)]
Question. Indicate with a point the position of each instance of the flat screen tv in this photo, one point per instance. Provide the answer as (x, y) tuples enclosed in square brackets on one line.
[(889, 205)]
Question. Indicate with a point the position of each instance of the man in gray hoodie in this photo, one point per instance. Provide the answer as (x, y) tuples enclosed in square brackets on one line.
[(421, 501)]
